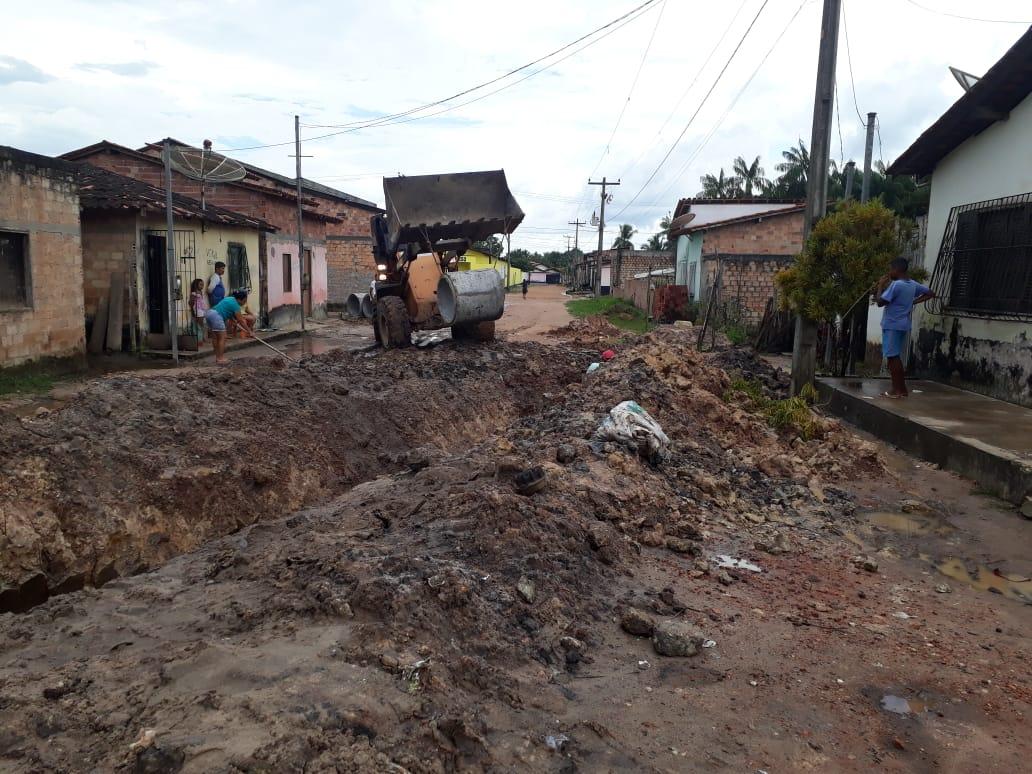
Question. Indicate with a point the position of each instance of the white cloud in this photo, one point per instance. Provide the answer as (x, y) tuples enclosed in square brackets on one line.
[(241, 70)]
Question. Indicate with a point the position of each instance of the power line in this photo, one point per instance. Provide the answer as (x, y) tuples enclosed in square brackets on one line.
[(849, 60), (838, 121), (730, 106), (698, 109), (616, 24), (966, 18), (630, 93), (877, 129)]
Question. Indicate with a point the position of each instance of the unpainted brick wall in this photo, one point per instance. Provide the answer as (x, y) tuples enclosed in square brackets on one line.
[(350, 267), (771, 235), (108, 245), (44, 202), (745, 283)]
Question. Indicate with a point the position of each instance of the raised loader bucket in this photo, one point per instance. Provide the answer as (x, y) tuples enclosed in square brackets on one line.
[(425, 209)]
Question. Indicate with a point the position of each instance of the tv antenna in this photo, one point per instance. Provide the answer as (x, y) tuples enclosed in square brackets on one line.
[(205, 165)]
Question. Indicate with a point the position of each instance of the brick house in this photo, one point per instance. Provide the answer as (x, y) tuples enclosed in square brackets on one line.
[(609, 271), (744, 241), (41, 292), (124, 234), (338, 246)]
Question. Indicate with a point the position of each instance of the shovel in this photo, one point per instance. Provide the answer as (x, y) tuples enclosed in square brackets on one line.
[(279, 352)]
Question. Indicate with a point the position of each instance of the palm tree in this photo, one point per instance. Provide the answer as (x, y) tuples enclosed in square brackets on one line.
[(794, 171), (627, 232), (718, 187), (659, 242), (749, 175)]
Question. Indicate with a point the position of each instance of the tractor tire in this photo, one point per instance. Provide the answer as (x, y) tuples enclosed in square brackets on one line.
[(481, 331), (393, 327)]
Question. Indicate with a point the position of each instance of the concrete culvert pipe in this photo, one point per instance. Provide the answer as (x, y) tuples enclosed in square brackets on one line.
[(470, 296), (353, 304), (368, 306)]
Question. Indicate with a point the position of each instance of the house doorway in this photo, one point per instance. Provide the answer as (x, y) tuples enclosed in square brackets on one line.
[(157, 284)]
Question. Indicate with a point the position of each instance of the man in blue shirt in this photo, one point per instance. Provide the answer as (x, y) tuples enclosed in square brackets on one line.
[(227, 309), (898, 294)]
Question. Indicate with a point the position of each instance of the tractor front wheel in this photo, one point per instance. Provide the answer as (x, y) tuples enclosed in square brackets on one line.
[(392, 323)]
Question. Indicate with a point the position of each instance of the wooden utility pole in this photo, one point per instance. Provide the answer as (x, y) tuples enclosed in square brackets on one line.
[(300, 224), (597, 284), (804, 348), (576, 231), (865, 186)]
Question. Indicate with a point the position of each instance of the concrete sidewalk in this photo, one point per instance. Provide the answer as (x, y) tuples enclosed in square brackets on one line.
[(981, 438)]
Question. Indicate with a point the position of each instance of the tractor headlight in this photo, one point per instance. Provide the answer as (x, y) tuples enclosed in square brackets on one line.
[(382, 277), (381, 267)]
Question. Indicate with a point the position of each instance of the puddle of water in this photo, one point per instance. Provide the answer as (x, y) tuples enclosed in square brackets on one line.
[(909, 524), (986, 580), (900, 706)]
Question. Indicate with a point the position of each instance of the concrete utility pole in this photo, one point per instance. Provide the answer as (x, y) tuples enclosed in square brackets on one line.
[(865, 186), (576, 231), (300, 233), (804, 347), (170, 255), (597, 284), (850, 174)]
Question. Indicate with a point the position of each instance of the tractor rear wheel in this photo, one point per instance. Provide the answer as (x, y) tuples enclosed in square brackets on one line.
[(481, 331), (392, 323)]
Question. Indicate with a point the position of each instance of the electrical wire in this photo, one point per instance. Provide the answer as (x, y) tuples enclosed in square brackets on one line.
[(390, 119), (691, 120), (676, 178), (630, 93), (838, 122), (966, 18), (877, 129), (849, 60)]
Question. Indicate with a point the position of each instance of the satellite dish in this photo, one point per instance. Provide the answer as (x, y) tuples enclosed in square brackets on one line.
[(205, 165), (966, 80)]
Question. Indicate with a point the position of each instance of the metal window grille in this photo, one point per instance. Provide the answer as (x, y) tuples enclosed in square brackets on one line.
[(984, 268)]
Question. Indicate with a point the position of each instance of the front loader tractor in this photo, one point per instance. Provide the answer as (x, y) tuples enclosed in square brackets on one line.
[(429, 223)]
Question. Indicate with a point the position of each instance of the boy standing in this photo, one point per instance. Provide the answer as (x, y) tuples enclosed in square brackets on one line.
[(216, 287), (898, 294)]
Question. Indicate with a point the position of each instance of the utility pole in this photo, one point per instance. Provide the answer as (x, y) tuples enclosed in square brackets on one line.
[(568, 238), (865, 186), (850, 173), (804, 347), (597, 284), (170, 256), (300, 232), (576, 231)]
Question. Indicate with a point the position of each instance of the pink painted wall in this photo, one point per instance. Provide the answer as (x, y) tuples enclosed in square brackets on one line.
[(277, 295)]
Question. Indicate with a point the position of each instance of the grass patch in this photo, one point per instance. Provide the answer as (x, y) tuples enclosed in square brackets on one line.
[(791, 414), (622, 314), (736, 333), (21, 382)]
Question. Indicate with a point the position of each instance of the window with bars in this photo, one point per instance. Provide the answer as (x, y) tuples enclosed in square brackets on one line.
[(985, 262), (14, 270)]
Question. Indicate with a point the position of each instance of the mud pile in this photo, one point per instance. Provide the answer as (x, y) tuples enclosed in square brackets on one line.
[(139, 469), (595, 331), (421, 621)]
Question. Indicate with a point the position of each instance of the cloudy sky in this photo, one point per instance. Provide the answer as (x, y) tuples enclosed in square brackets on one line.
[(72, 73)]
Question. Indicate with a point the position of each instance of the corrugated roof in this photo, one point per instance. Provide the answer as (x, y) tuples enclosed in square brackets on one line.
[(103, 190), (991, 99)]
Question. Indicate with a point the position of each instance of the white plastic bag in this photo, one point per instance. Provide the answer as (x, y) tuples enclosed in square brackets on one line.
[(631, 425)]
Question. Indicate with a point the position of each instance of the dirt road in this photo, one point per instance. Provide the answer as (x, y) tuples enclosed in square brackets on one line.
[(530, 318), (411, 611)]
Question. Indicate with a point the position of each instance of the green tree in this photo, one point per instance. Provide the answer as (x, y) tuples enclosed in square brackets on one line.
[(846, 252), (794, 171), (491, 246), (718, 186), (660, 241), (521, 258), (627, 232), (749, 175)]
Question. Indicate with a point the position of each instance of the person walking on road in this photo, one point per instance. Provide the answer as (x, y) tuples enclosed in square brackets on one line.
[(216, 317), (898, 294), (526, 282)]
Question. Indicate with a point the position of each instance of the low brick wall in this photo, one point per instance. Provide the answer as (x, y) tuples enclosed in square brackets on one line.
[(349, 267), (746, 283)]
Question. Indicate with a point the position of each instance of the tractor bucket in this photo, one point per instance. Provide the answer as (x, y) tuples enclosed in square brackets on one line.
[(426, 209)]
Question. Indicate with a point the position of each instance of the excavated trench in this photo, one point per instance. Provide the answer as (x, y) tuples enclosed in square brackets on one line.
[(139, 469)]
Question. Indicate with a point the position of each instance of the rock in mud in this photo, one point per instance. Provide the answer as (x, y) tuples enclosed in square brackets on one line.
[(677, 638), (566, 453), (637, 622), (525, 588), (158, 760), (683, 546)]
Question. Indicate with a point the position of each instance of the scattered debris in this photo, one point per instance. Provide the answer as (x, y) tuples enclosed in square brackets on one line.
[(557, 742), (730, 563), (637, 622), (632, 426), (531, 481)]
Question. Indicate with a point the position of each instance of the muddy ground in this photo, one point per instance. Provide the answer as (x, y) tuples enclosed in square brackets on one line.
[(421, 614)]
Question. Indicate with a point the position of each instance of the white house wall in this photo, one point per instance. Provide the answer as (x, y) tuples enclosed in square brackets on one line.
[(987, 355)]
